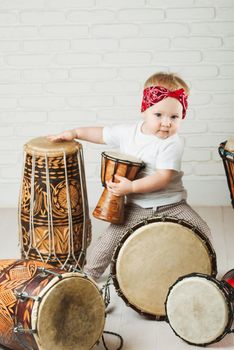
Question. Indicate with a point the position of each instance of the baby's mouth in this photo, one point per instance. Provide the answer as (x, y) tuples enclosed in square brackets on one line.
[(163, 134)]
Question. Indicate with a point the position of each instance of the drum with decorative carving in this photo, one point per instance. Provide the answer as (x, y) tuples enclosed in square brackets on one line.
[(45, 308), (54, 223)]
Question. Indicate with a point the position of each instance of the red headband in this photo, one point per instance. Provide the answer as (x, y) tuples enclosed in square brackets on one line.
[(154, 94)]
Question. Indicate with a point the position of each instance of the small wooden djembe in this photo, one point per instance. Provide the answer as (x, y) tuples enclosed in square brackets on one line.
[(110, 207)]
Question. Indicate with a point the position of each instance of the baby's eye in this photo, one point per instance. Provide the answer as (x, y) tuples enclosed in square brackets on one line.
[(158, 115), (174, 116)]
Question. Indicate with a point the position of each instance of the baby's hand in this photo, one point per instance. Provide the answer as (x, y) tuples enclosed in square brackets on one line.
[(67, 135), (121, 188)]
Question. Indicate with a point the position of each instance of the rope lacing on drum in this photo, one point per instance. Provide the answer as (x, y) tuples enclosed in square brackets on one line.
[(80, 160), (50, 215), (115, 334), (21, 242), (105, 290), (69, 214), (33, 240)]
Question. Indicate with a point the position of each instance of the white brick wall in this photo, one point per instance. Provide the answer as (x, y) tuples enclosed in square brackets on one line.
[(65, 63)]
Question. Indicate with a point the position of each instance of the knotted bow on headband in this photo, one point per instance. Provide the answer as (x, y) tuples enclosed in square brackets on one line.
[(154, 94)]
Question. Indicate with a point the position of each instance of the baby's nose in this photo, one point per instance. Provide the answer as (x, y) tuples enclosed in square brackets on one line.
[(166, 121)]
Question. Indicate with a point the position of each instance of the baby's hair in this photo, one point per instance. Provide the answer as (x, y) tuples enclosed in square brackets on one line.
[(170, 81)]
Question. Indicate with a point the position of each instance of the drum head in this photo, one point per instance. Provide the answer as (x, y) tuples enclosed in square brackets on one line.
[(70, 316), (229, 146), (152, 258), (41, 146), (197, 310), (124, 158)]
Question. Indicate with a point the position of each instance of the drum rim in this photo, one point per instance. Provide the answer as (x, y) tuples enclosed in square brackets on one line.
[(131, 231), (74, 148), (224, 289), (224, 152), (123, 161)]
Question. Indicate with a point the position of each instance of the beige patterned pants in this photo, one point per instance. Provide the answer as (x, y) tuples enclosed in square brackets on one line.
[(102, 252)]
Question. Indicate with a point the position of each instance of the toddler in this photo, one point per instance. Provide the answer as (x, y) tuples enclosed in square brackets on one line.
[(154, 139)]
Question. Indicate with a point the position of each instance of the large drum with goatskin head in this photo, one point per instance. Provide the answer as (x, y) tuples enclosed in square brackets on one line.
[(152, 255)]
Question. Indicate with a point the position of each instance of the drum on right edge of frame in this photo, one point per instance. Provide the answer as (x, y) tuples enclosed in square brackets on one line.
[(200, 308), (226, 152)]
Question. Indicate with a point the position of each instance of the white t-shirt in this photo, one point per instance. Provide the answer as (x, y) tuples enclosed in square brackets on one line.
[(156, 153)]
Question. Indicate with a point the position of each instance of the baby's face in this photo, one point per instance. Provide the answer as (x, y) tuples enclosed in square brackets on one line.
[(163, 119)]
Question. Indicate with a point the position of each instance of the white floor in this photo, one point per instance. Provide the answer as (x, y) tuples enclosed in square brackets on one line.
[(139, 333)]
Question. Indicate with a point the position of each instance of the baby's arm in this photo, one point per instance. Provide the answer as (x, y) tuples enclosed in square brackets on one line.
[(91, 134), (151, 183), (158, 181)]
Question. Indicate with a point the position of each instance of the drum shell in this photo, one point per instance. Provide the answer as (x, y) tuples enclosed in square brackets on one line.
[(14, 275), (228, 279), (110, 208), (53, 205), (228, 163)]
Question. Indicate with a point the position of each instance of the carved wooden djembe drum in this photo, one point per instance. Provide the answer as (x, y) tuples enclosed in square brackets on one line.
[(45, 308), (54, 223), (110, 207)]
